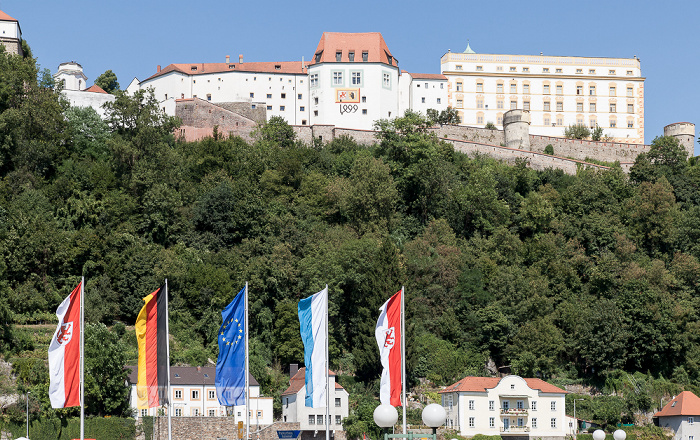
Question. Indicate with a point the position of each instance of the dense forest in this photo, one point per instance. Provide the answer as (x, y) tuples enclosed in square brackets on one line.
[(575, 279)]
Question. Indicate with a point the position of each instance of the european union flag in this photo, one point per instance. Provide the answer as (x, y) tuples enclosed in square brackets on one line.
[(230, 367)]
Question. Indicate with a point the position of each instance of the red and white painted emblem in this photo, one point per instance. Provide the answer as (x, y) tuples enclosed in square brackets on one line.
[(389, 338), (65, 334)]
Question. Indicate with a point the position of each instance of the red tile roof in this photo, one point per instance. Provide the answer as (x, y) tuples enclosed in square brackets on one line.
[(187, 376), (481, 384), (297, 382), (5, 17), (684, 404), (95, 89), (370, 42), (426, 75), (287, 67)]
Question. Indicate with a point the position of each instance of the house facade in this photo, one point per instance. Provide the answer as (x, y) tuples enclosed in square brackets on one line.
[(511, 407), (313, 419), (557, 91), (10, 34), (682, 414), (193, 394)]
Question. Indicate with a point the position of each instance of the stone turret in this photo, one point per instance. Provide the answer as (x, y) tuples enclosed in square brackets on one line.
[(516, 128), (685, 133)]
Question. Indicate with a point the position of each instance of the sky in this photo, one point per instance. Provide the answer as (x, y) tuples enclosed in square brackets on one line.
[(132, 38)]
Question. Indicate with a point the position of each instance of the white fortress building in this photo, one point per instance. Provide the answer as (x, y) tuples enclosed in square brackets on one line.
[(510, 407), (75, 90), (351, 80), (193, 394), (557, 91), (10, 34)]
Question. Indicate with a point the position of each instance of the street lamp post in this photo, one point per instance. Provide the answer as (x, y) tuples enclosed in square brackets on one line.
[(28, 393), (386, 416)]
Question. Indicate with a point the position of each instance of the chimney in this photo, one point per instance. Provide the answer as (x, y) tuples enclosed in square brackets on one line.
[(240, 59), (158, 68), (293, 369), (228, 59)]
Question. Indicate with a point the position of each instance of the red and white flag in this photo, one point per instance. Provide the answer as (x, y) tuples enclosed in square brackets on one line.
[(388, 334), (64, 353)]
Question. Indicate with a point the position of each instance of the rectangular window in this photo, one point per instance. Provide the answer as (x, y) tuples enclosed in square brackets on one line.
[(479, 68), (691, 420), (499, 88), (312, 420), (630, 92), (579, 106), (471, 422), (460, 103), (299, 96), (613, 108), (458, 67), (613, 91), (144, 412), (258, 414), (423, 100), (591, 71), (364, 111), (319, 420), (337, 78), (195, 394), (499, 103), (281, 108), (545, 89), (269, 107), (560, 106), (479, 103), (492, 405), (364, 56), (591, 90), (302, 108), (480, 87), (546, 120), (513, 88), (195, 411), (315, 99), (613, 123), (512, 68), (630, 124), (630, 108), (337, 420), (426, 85), (558, 71), (513, 105), (212, 413), (560, 89), (560, 121), (629, 72), (178, 412), (519, 404), (269, 96), (611, 72), (492, 422), (253, 106), (441, 84), (591, 107), (579, 70), (313, 80), (579, 90), (386, 80), (533, 405), (526, 105), (499, 119), (546, 106), (553, 405), (534, 422), (526, 69), (351, 56), (459, 86), (553, 422), (364, 99), (337, 402), (178, 394), (506, 405), (526, 89), (283, 95), (521, 422), (438, 100), (338, 55), (545, 70), (356, 78), (212, 394)]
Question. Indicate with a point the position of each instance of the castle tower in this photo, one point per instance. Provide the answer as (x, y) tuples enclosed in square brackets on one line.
[(685, 133), (10, 34), (71, 73), (516, 128)]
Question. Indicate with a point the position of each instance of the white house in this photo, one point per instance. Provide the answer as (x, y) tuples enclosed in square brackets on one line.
[(75, 89), (193, 394), (422, 91), (10, 34), (312, 419), (680, 414), (509, 406), (558, 91)]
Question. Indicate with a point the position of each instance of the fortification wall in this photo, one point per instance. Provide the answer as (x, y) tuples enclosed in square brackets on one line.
[(195, 428), (199, 118), (582, 149)]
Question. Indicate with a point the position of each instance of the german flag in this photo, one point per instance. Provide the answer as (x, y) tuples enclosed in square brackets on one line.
[(151, 334)]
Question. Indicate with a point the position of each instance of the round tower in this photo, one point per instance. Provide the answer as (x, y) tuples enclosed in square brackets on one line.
[(71, 73), (516, 128), (685, 133)]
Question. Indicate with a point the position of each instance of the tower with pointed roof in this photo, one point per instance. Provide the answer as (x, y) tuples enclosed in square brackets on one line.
[(10, 34)]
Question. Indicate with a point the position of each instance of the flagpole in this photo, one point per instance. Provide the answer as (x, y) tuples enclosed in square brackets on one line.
[(403, 357), (82, 358), (328, 392), (167, 345), (247, 369)]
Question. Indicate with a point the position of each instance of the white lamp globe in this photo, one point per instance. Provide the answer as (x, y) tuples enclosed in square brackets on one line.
[(598, 434), (434, 415), (619, 435), (385, 416)]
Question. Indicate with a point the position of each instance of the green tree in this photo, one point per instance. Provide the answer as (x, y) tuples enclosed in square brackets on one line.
[(577, 131), (108, 82), (105, 393), (597, 133), (277, 131)]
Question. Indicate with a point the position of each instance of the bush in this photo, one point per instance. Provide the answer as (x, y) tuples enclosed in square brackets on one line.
[(578, 131), (549, 149)]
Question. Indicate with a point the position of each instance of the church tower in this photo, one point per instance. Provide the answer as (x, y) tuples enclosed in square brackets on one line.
[(10, 34)]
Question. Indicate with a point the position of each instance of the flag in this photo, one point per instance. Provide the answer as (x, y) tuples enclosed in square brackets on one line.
[(64, 353), (313, 320), (230, 366), (388, 334), (151, 335)]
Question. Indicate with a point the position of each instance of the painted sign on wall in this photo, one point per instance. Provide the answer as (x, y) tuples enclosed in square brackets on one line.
[(347, 95)]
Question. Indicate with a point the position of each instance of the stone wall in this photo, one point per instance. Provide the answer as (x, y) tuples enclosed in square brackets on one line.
[(199, 118), (197, 428), (582, 149), (12, 45)]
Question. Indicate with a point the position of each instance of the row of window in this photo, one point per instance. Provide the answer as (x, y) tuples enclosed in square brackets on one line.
[(612, 91), (194, 394), (505, 405), (356, 78), (422, 100), (592, 107), (351, 56), (520, 422), (318, 420), (544, 70), (211, 412), (426, 85)]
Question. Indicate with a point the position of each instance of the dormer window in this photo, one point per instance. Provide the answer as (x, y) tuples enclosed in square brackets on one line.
[(338, 56), (390, 59), (318, 57), (278, 67), (365, 56), (351, 56), (193, 68)]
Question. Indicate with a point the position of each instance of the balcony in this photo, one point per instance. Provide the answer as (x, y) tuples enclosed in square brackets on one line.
[(515, 428), (514, 411)]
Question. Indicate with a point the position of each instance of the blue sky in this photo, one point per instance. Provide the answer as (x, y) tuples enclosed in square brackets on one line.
[(132, 37)]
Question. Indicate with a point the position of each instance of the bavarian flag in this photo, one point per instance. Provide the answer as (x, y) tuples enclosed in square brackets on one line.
[(230, 366), (151, 334)]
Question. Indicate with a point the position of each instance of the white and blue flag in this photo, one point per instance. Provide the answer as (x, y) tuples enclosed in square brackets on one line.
[(313, 320)]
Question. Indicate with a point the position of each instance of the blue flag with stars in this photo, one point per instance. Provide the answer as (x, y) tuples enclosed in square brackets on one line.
[(230, 367)]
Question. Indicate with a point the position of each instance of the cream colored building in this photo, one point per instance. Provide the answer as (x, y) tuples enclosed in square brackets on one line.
[(313, 419), (510, 407), (193, 394), (558, 91)]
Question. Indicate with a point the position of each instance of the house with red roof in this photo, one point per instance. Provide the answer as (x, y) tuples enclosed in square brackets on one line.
[(679, 414), (350, 81), (511, 406), (311, 421), (10, 34)]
